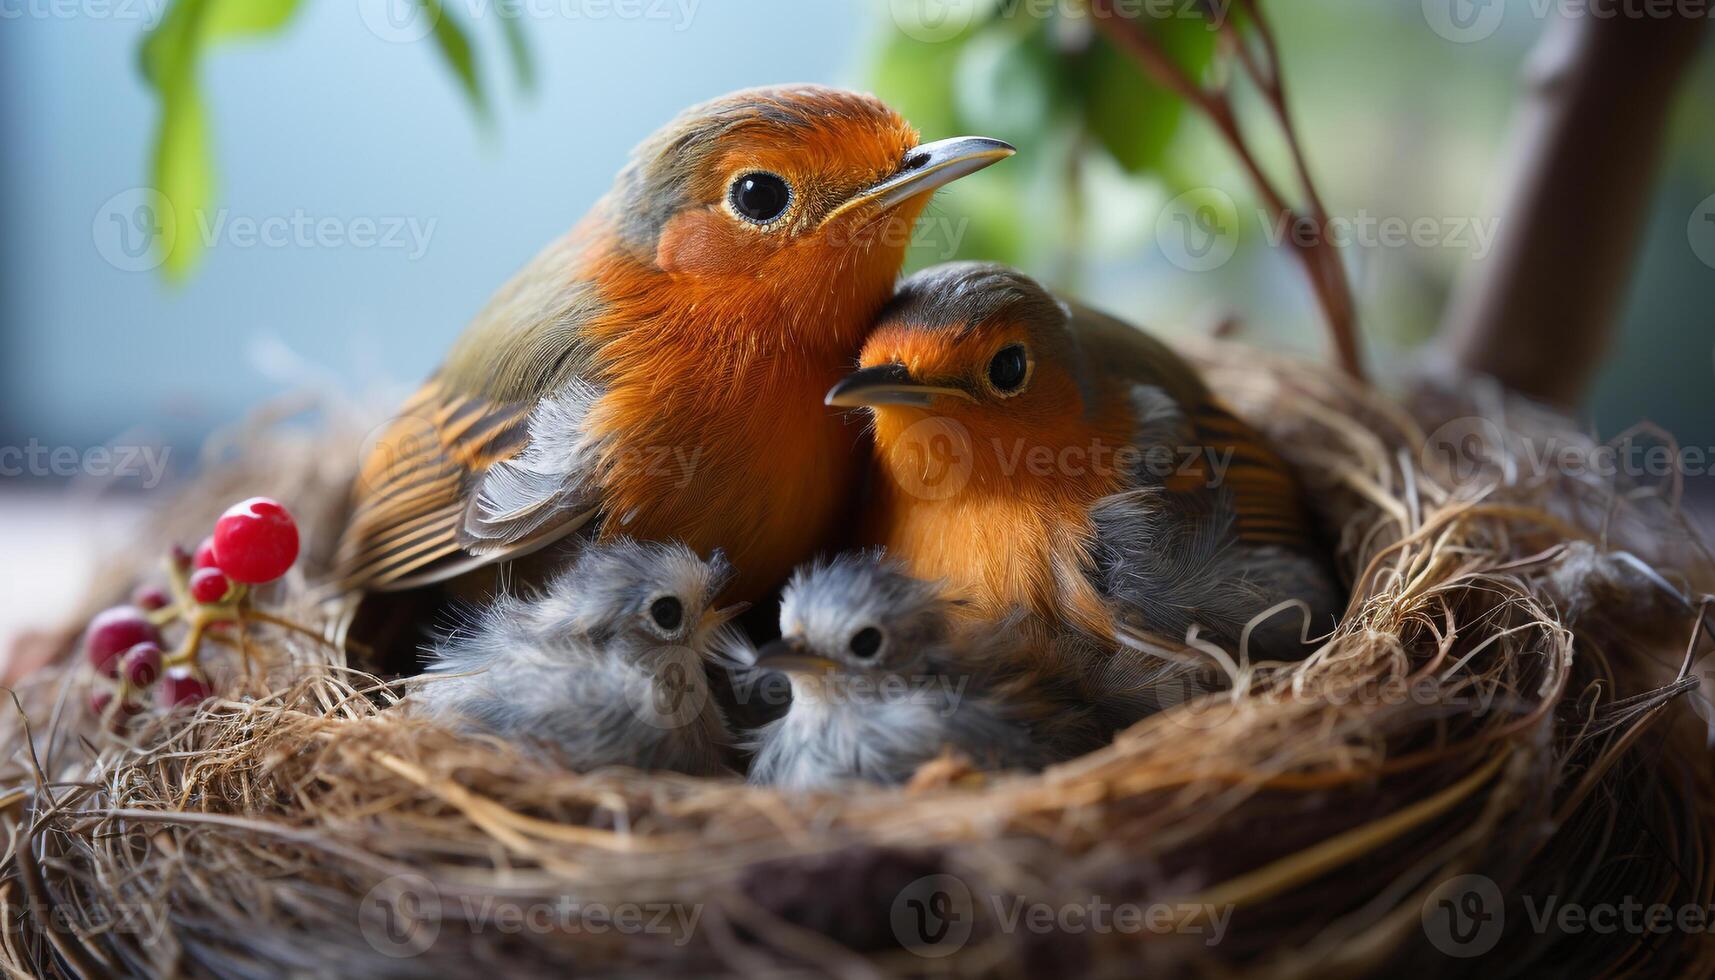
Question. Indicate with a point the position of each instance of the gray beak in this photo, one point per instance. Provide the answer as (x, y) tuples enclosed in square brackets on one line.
[(886, 384), (928, 167), (789, 655)]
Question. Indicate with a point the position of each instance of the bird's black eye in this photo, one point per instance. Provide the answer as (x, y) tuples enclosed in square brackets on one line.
[(761, 197), (1008, 368), (667, 612), (866, 643)]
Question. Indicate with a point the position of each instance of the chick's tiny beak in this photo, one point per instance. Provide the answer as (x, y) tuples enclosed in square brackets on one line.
[(789, 655), (929, 166), (716, 618), (887, 384)]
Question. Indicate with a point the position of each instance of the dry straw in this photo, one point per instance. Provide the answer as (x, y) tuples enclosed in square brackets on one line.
[(1504, 719)]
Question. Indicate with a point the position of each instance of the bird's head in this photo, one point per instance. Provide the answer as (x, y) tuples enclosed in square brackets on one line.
[(640, 594), (858, 615), (975, 344), (801, 186)]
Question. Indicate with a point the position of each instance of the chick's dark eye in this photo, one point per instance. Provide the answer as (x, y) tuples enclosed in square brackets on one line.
[(667, 612), (1008, 367), (761, 197), (866, 642)]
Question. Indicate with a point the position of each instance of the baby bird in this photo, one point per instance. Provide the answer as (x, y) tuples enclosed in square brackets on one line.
[(884, 678), (605, 667), (1047, 457)]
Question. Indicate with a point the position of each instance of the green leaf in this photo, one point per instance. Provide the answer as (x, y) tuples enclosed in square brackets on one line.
[(517, 44), (455, 47), (184, 175), (1006, 84), (916, 78), (1132, 117), (248, 18), (181, 169)]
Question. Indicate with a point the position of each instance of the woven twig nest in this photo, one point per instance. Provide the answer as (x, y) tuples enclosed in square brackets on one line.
[(1502, 725)]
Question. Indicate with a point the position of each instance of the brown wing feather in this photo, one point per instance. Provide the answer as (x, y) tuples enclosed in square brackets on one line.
[(1266, 496), (410, 495)]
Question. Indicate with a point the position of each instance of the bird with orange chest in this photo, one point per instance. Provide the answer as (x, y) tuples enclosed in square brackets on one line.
[(1049, 458), (650, 374)]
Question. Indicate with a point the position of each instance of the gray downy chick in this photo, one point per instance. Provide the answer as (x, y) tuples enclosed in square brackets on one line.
[(884, 678), (605, 667)]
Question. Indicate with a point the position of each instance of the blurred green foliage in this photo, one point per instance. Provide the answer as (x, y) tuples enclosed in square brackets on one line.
[(182, 166), (1042, 77)]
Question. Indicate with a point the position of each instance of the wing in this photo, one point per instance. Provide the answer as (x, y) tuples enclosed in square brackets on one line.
[(491, 459), (1213, 449)]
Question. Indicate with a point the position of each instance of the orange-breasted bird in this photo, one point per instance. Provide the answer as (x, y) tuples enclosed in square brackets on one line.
[(658, 372), (1043, 456)]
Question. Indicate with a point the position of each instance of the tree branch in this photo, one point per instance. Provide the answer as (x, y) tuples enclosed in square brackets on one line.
[(1321, 261), (1538, 314)]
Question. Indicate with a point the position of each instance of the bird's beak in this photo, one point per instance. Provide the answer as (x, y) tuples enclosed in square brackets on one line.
[(929, 166), (887, 384), (788, 655), (716, 618)]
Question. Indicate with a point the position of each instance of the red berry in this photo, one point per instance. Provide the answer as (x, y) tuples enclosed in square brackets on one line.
[(181, 558), (256, 541), (205, 554), (114, 631), (182, 687), (141, 664), (149, 598), (209, 585)]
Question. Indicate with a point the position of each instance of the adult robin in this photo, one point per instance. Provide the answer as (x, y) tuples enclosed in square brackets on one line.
[(1044, 456), (657, 373)]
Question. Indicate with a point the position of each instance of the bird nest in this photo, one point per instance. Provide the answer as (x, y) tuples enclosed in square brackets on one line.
[(1504, 726)]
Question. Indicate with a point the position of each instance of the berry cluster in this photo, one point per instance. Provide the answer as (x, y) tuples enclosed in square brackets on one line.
[(254, 542)]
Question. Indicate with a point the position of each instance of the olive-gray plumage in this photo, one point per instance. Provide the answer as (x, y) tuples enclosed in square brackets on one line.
[(885, 678), (604, 667)]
